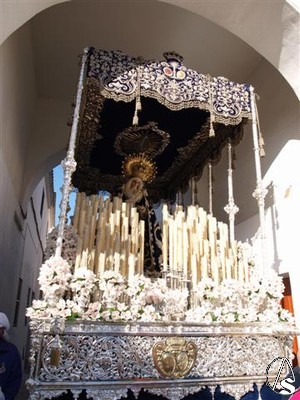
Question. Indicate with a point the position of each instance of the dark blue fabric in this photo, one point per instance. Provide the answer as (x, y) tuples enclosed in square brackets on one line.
[(10, 369)]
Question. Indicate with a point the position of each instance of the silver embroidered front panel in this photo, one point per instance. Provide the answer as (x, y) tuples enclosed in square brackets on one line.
[(99, 358), (107, 359)]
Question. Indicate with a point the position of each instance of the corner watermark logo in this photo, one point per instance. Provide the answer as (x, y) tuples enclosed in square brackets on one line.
[(281, 378)]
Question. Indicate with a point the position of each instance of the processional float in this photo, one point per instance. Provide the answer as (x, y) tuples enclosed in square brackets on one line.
[(129, 303)]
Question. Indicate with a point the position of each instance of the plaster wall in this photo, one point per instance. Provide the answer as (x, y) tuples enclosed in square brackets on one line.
[(15, 13), (22, 229), (11, 240), (28, 122), (18, 102), (50, 132), (22, 243)]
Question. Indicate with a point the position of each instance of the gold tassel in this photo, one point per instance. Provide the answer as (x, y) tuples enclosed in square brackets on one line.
[(138, 105)]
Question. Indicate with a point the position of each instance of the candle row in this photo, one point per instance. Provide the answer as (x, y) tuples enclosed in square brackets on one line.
[(110, 235), (196, 246)]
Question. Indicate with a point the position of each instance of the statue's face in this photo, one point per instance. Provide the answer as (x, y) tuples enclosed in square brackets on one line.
[(134, 189), (135, 184)]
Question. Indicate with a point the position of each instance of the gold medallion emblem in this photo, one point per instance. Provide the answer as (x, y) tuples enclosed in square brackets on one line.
[(174, 357)]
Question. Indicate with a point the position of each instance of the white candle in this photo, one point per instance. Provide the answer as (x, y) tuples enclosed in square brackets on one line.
[(185, 250), (78, 253), (117, 262), (180, 240), (117, 250), (165, 237), (228, 269), (194, 271), (102, 258), (77, 210), (131, 264), (204, 271), (171, 254)]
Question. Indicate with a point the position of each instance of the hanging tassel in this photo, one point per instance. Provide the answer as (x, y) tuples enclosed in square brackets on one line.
[(212, 117), (55, 352), (138, 103), (135, 120), (211, 127), (261, 142), (138, 106)]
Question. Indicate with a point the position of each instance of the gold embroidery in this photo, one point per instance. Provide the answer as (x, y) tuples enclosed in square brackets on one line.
[(175, 357)]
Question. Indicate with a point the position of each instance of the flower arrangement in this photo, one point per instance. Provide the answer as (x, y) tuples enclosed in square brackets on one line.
[(54, 279), (112, 298), (233, 301)]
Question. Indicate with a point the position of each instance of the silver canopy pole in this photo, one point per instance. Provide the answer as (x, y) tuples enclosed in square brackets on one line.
[(231, 208), (69, 163)]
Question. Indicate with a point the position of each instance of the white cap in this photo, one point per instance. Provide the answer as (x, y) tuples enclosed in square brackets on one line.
[(4, 322)]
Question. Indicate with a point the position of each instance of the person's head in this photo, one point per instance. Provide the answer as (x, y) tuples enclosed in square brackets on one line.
[(4, 326)]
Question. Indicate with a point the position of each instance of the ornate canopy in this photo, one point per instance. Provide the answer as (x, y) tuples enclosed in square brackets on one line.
[(176, 116)]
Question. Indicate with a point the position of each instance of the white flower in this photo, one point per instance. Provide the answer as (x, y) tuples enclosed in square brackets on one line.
[(121, 307), (154, 296), (126, 315), (115, 315), (105, 315), (149, 314)]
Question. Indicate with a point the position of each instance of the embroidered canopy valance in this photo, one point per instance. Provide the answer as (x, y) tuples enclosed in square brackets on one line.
[(175, 115)]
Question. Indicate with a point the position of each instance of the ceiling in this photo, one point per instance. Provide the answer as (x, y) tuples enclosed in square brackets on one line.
[(144, 28)]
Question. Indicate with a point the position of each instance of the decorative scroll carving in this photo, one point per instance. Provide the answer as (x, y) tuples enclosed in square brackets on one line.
[(107, 359)]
